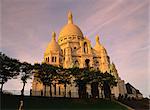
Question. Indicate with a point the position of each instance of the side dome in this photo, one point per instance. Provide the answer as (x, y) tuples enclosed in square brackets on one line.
[(70, 29), (53, 46), (98, 47)]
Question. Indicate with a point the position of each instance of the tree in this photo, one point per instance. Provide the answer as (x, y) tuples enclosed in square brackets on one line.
[(9, 68), (105, 80), (64, 77), (108, 82), (26, 72), (81, 78), (45, 73), (95, 80)]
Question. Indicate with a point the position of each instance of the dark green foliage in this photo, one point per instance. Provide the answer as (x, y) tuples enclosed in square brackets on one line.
[(64, 77), (26, 70), (9, 68), (46, 74)]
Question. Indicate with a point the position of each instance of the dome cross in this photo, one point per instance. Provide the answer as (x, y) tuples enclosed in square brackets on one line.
[(70, 18)]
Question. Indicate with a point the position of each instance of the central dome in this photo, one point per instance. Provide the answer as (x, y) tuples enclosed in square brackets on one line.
[(70, 29)]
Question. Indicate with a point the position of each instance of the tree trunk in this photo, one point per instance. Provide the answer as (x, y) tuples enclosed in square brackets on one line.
[(45, 91), (65, 90), (84, 93), (102, 93), (22, 91), (50, 90), (94, 89), (22, 97), (107, 91), (2, 87)]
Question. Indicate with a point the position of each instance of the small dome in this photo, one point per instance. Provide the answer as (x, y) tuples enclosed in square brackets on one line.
[(53, 45), (70, 29), (98, 47)]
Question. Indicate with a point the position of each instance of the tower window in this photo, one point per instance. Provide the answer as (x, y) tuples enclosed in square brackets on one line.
[(87, 63), (74, 47), (85, 48), (55, 59), (97, 63), (61, 50), (76, 63), (52, 59), (48, 59)]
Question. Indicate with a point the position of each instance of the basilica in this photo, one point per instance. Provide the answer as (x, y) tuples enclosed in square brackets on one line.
[(73, 49)]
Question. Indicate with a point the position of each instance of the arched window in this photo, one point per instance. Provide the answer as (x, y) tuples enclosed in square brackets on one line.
[(48, 59), (85, 47), (61, 51), (52, 59), (87, 63), (76, 63), (55, 59), (97, 63)]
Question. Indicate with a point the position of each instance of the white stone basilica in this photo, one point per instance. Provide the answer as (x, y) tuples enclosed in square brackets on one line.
[(73, 49)]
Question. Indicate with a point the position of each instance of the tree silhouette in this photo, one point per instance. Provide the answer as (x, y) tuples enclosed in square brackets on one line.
[(46, 74), (95, 80), (64, 77), (26, 71), (81, 78), (104, 80), (108, 82), (9, 68)]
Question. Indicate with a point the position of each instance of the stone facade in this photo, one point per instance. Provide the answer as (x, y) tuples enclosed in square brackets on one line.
[(74, 50), (132, 92)]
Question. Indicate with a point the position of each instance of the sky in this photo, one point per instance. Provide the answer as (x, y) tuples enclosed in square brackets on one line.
[(123, 27)]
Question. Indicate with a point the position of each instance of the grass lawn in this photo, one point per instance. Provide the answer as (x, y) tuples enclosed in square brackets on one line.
[(46, 103)]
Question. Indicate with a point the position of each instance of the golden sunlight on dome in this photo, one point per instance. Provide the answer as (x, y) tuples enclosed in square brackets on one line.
[(70, 29), (53, 45), (98, 46)]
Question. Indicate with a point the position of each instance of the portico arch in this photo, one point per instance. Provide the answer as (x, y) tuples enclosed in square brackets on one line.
[(87, 63)]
